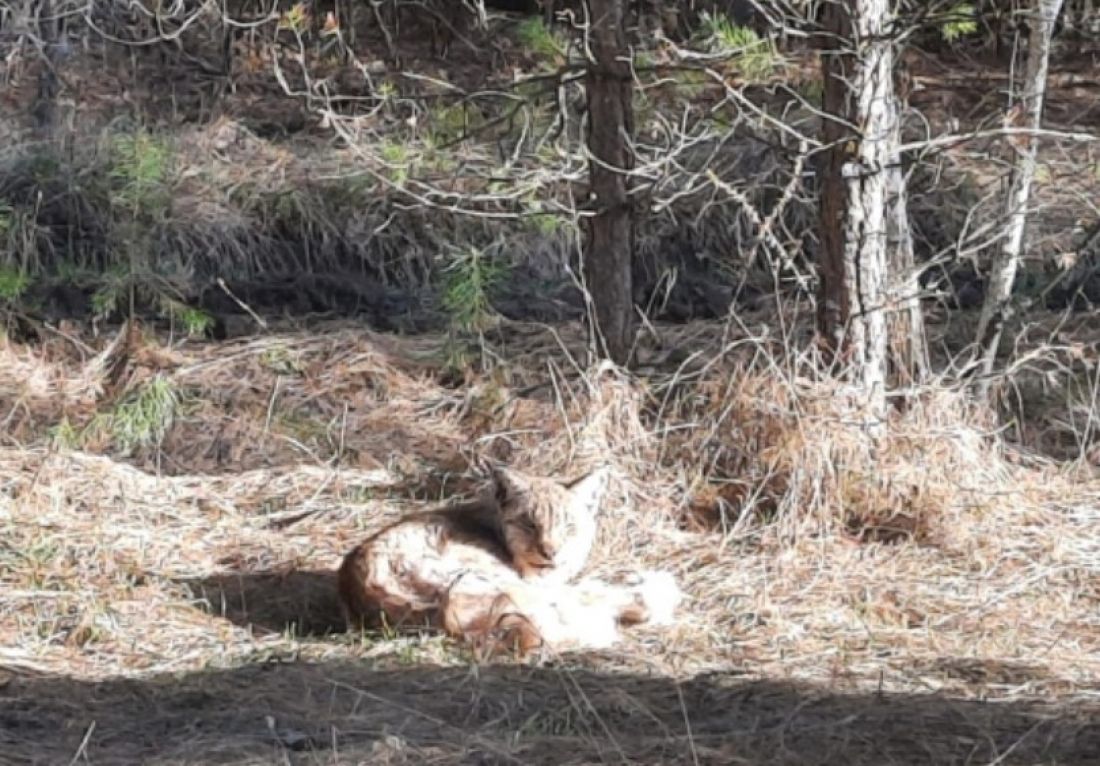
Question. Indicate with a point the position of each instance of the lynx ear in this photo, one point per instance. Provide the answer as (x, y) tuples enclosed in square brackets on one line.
[(588, 492), (508, 483)]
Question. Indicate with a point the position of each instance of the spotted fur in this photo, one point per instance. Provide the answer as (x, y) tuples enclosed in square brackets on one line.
[(497, 572)]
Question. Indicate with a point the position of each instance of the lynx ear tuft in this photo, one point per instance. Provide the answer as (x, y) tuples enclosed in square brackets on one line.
[(509, 484)]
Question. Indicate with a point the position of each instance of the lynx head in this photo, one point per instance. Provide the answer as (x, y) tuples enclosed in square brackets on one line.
[(549, 527)]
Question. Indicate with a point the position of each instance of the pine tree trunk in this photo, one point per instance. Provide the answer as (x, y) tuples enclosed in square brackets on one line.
[(857, 65), (996, 308), (45, 106), (609, 247)]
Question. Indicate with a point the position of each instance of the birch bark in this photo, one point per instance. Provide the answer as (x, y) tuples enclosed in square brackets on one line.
[(996, 309)]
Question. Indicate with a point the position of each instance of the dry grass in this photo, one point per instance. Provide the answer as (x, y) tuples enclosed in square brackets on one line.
[(171, 513), (174, 604)]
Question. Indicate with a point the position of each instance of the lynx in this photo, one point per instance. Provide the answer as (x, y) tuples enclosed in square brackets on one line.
[(519, 615), (497, 571)]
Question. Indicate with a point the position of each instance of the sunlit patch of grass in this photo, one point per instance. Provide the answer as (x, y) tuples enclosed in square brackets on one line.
[(144, 417)]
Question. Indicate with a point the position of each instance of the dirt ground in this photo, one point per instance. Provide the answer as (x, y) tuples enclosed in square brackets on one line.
[(174, 604)]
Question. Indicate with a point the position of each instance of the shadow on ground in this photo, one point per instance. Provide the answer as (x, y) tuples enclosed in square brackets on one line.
[(301, 603), (342, 713)]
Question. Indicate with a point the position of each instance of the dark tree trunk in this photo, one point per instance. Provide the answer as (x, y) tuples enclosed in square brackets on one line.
[(835, 303), (609, 247), (45, 107)]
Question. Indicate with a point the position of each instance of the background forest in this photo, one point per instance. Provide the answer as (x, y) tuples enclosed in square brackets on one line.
[(817, 276)]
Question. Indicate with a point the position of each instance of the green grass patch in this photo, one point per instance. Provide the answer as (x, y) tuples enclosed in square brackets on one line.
[(143, 418), (13, 284)]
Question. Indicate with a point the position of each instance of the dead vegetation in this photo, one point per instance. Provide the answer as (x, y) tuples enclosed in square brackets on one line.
[(172, 509), (879, 593)]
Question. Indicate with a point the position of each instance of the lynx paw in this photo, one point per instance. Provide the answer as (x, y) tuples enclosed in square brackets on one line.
[(660, 594)]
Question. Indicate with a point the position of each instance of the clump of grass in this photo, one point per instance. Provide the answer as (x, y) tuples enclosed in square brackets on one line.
[(143, 418), (691, 83), (452, 123), (279, 360), (397, 161), (118, 286), (20, 233), (13, 284), (794, 454), (65, 435), (194, 321), (113, 290), (547, 224)]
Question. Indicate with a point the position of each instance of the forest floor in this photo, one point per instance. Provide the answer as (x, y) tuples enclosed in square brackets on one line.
[(172, 510), (171, 513)]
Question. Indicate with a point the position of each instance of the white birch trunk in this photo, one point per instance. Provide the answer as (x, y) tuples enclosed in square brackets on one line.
[(996, 309), (907, 345), (856, 255)]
